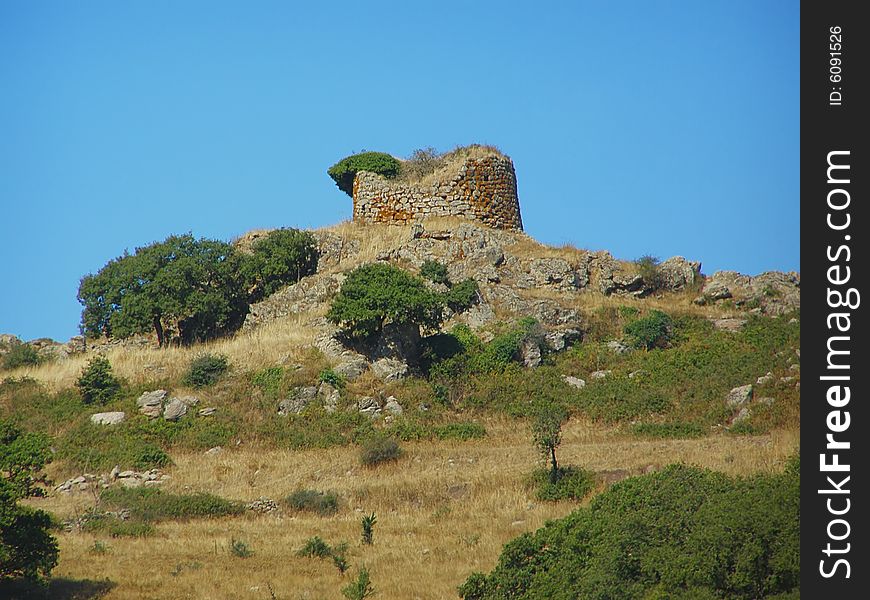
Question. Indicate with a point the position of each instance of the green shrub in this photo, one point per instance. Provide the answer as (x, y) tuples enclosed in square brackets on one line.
[(434, 271), (240, 549), (282, 257), (653, 331), (344, 171), (149, 504), (378, 450), (332, 378), (104, 523), (680, 533), (668, 430), (96, 384), (21, 355), (315, 548), (649, 270), (205, 370), (360, 588), (368, 524), (375, 294), (547, 434), (322, 503), (269, 380), (504, 348), (570, 483), (26, 548), (462, 296)]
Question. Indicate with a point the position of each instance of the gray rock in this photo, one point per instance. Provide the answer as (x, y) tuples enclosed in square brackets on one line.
[(764, 379), (297, 403), (150, 404), (743, 414), (108, 418), (213, 451), (392, 406), (351, 368), (530, 353), (390, 369), (677, 273), (174, 409), (618, 347), (559, 340), (207, 412), (329, 397), (574, 382), (729, 324), (368, 406), (600, 374), (739, 396)]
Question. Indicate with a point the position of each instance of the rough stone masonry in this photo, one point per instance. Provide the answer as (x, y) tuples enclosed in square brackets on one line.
[(483, 189)]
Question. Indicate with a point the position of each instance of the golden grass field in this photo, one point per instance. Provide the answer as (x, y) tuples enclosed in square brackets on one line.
[(444, 510)]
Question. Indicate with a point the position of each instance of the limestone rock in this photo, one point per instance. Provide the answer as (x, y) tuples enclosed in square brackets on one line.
[(151, 403), (392, 406), (351, 368), (108, 418), (207, 412), (739, 396), (530, 353), (390, 369), (297, 403), (174, 409), (328, 396), (574, 382), (618, 347), (677, 273), (369, 406), (600, 374), (764, 379)]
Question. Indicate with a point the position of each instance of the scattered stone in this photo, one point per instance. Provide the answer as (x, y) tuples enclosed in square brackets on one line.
[(600, 374), (743, 414), (368, 406), (115, 471), (108, 418), (530, 353), (575, 382), (559, 340), (213, 451), (764, 379), (739, 396), (730, 324), (634, 374), (89, 481), (207, 412), (766, 401), (392, 406), (174, 409), (352, 368), (263, 506), (295, 404), (151, 403), (329, 397), (618, 347), (786, 379)]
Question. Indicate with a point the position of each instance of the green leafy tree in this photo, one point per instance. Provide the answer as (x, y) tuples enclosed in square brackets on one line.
[(652, 331), (547, 433), (344, 171), (375, 294), (97, 384), (194, 289), (26, 548), (282, 257)]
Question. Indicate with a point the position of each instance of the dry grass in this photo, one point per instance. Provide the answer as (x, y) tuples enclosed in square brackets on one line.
[(446, 165), (278, 340), (443, 511)]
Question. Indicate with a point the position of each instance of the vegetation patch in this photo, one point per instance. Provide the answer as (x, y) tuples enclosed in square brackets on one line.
[(97, 384), (324, 504), (668, 430), (569, 483), (149, 504), (205, 370), (344, 171), (379, 449)]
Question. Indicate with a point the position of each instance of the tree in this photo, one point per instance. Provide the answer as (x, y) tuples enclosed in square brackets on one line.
[(652, 331), (193, 289), (547, 433), (26, 547), (375, 294), (96, 384), (282, 257)]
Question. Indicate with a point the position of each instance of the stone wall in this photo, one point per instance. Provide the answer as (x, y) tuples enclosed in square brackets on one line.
[(483, 189)]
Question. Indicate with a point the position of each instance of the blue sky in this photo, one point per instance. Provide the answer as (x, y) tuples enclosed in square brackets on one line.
[(637, 127)]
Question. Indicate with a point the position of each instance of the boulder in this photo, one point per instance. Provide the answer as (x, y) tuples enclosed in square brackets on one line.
[(108, 418), (677, 273), (600, 374), (530, 353), (739, 396), (559, 340), (174, 409), (764, 379), (296, 403), (328, 396), (392, 406), (351, 368), (150, 404), (390, 369)]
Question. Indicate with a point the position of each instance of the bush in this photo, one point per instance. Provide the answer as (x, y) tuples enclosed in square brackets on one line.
[(96, 384), (26, 548), (149, 504), (21, 355), (269, 380), (205, 370), (648, 268), (315, 548), (344, 171), (379, 449), (361, 588), (434, 271), (332, 378), (376, 293), (368, 524), (570, 483), (462, 296), (240, 549), (681, 533), (653, 331), (282, 257), (323, 503), (110, 524)]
